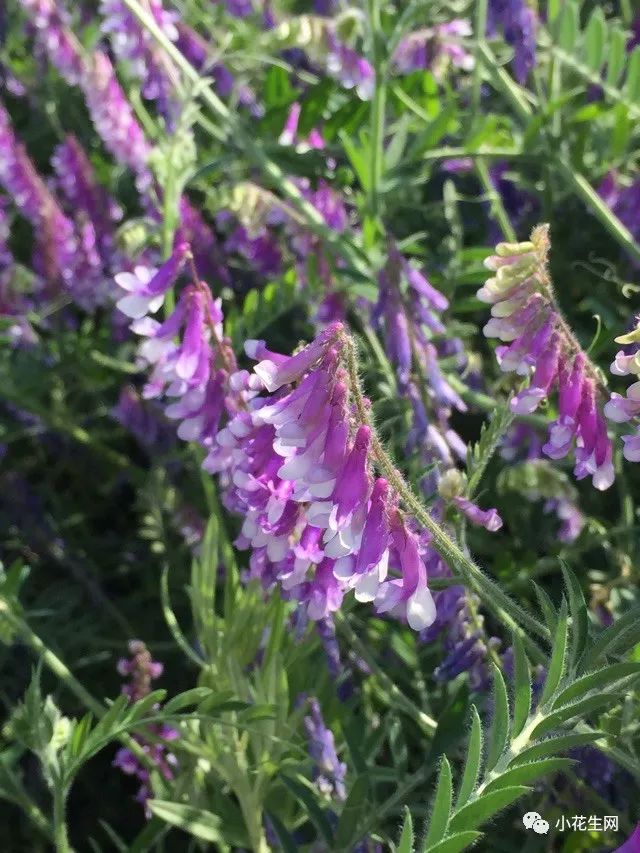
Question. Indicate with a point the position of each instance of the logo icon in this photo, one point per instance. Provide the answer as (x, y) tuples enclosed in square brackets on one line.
[(534, 821)]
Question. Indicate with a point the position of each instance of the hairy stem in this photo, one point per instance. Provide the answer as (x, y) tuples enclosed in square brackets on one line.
[(492, 595)]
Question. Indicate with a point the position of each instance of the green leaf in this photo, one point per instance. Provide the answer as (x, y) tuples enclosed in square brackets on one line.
[(198, 822), (78, 739), (189, 697), (574, 709), (287, 842), (484, 808), (308, 799), (480, 453), (405, 844), (525, 774), (625, 632), (441, 805), (554, 746), (352, 812), (474, 757), (499, 731), (546, 605), (616, 56), (595, 681), (595, 39), (568, 26), (521, 687), (451, 725), (632, 84), (455, 843), (579, 615), (557, 663), (358, 157)]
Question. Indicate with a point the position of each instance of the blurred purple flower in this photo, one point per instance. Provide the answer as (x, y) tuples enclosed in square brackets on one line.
[(329, 772)]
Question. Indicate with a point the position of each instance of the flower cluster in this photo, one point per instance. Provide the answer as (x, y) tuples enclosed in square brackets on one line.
[(133, 43), (518, 23), (113, 117), (435, 48), (408, 315), (296, 461), (525, 317), (79, 188), (316, 518), (329, 772), (143, 670), (65, 257), (623, 199), (51, 22), (624, 409), (110, 111)]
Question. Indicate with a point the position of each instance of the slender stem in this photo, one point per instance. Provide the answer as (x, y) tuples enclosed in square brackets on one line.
[(61, 839), (602, 211), (378, 104), (480, 27), (498, 209), (577, 182), (426, 723), (510, 613)]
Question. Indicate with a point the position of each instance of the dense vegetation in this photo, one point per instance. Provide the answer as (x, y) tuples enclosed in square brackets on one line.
[(319, 431)]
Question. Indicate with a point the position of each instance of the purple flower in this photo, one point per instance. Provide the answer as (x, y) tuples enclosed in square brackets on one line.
[(489, 519), (51, 22), (238, 8), (147, 287), (408, 595), (329, 772), (518, 23), (525, 318), (142, 419), (85, 197), (142, 670), (632, 844), (351, 69), (113, 117), (434, 48), (623, 409), (133, 43), (65, 256)]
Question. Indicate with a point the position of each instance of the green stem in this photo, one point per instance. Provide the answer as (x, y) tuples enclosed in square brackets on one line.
[(378, 105), (590, 197), (577, 182), (403, 702), (498, 209), (480, 27), (492, 595), (248, 145), (23, 630), (61, 839)]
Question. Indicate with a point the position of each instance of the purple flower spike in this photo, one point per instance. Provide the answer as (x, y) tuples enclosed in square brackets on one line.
[(524, 315), (329, 772), (142, 671), (113, 117), (51, 22)]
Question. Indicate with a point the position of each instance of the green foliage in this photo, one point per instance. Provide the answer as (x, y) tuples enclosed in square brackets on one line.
[(519, 749)]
